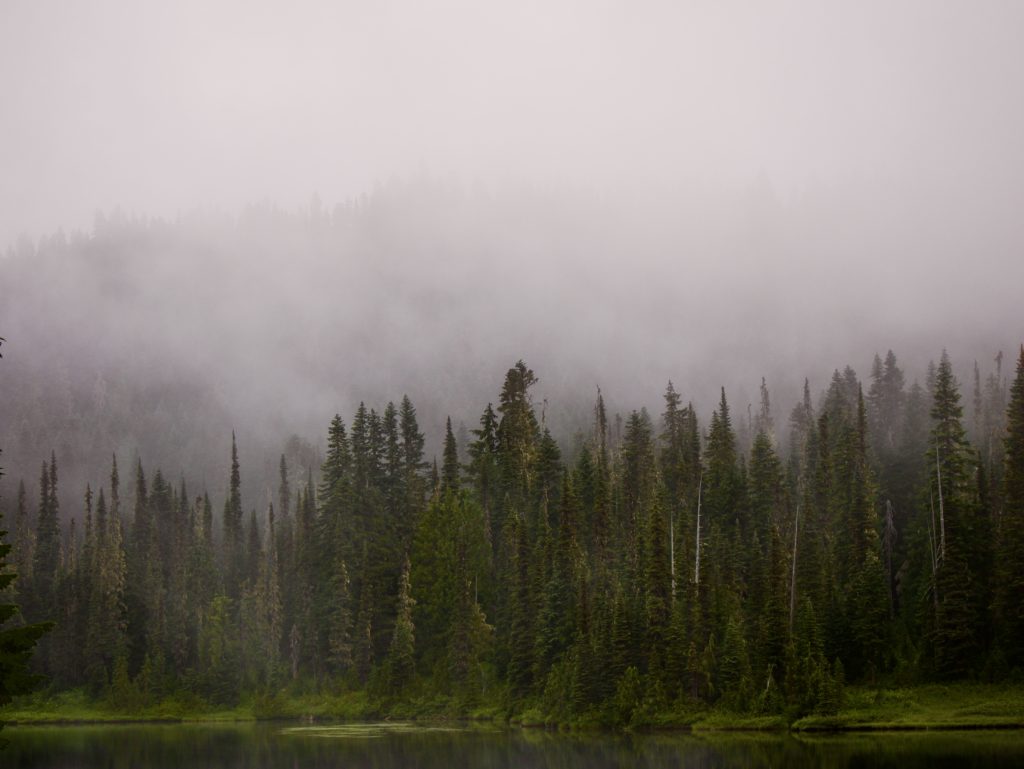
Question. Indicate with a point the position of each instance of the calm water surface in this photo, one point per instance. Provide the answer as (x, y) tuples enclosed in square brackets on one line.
[(280, 746)]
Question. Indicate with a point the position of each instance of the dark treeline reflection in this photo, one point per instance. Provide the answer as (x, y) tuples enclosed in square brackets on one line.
[(273, 746)]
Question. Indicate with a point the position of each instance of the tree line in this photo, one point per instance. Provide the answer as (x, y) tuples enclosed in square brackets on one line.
[(657, 563)]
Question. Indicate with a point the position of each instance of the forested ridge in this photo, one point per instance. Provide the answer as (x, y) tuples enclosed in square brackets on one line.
[(648, 562)]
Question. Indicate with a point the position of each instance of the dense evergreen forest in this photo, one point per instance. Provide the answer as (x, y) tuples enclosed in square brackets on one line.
[(657, 561)]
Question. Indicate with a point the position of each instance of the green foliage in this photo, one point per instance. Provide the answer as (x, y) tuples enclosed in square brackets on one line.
[(1010, 552), (560, 585), (16, 642), (629, 694), (400, 663)]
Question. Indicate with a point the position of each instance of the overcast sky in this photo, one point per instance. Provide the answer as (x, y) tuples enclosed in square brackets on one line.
[(160, 107)]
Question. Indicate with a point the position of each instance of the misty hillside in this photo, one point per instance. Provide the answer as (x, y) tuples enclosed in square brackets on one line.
[(157, 339)]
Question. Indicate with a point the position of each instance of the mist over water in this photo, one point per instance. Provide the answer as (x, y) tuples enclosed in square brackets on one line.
[(237, 216)]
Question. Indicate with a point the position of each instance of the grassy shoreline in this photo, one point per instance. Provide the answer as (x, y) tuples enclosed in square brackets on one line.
[(930, 707)]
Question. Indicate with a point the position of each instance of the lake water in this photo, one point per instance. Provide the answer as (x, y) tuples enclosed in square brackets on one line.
[(396, 746)]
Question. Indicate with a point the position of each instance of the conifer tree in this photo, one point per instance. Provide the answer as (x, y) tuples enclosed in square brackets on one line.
[(234, 548), (46, 563), (340, 621), (106, 624), (470, 638), (957, 610), (638, 468), (394, 477), (549, 474), (772, 614), (556, 626), (601, 517), (23, 543), (450, 470), (413, 467), (433, 559), (764, 486), (722, 481), (520, 633), (657, 589), (253, 551), (725, 519), (517, 436), (400, 663), (483, 465), (16, 643), (1010, 570), (362, 641)]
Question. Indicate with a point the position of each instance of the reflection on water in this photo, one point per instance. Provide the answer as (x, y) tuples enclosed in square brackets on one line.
[(399, 746)]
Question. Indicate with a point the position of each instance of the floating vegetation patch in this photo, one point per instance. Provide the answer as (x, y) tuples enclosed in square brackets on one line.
[(370, 730)]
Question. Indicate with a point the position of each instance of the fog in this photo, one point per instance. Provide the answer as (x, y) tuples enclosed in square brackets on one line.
[(163, 107), (251, 215)]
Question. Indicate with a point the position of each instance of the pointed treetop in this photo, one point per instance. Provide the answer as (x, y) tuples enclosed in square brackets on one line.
[(450, 472)]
